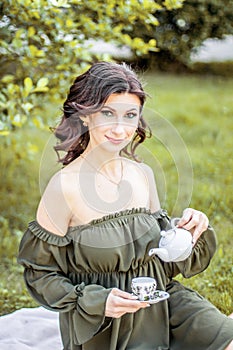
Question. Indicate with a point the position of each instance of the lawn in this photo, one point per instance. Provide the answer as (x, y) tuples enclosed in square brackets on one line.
[(191, 155)]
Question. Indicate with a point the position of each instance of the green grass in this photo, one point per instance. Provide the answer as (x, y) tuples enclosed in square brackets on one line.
[(191, 116)]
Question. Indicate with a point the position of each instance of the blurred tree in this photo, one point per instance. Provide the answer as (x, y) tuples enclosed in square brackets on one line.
[(44, 44), (182, 30)]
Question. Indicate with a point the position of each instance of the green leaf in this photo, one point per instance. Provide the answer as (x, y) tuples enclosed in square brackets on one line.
[(28, 84), (18, 120), (59, 3), (42, 82), (173, 4), (35, 52), (4, 132), (37, 122), (31, 32), (27, 106), (41, 89), (8, 78)]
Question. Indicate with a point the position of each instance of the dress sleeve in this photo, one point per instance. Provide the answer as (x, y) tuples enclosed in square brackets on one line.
[(200, 257), (44, 258)]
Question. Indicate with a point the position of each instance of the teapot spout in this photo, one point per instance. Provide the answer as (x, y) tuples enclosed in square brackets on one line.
[(161, 252)]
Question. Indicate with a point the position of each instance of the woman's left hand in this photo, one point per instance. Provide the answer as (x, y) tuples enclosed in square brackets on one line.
[(194, 221)]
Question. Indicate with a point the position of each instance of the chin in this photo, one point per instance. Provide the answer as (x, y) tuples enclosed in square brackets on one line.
[(111, 147), (116, 146)]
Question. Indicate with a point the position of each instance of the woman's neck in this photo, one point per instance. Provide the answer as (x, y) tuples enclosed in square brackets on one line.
[(107, 162)]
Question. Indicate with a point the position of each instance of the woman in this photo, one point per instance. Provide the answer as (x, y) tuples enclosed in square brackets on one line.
[(96, 222)]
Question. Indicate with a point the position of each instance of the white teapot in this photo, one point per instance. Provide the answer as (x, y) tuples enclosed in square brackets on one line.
[(174, 245)]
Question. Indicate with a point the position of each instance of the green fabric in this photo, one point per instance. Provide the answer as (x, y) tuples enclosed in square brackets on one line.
[(74, 275)]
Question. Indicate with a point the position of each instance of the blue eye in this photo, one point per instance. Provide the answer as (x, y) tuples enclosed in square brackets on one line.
[(107, 113)]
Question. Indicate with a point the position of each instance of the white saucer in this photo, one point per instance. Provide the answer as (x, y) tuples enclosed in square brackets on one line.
[(159, 295)]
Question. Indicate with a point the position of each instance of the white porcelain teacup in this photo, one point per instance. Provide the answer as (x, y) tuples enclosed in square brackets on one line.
[(144, 287)]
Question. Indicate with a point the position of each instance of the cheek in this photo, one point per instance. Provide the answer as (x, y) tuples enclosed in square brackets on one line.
[(98, 126), (130, 132), (131, 126)]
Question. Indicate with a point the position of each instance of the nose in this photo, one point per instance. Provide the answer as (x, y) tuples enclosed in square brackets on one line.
[(117, 128)]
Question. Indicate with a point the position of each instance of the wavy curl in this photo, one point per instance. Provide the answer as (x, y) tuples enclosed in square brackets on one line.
[(87, 95)]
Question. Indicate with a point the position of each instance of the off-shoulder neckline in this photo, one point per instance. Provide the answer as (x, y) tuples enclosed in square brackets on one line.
[(109, 217), (35, 226)]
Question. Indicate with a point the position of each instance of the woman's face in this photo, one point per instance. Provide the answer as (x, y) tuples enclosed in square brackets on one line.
[(113, 127)]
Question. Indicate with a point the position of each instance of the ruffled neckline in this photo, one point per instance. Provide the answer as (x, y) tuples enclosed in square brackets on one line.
[(53, 238), (112, 216), (48, 236)]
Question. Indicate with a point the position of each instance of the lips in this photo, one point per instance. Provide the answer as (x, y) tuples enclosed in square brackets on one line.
[(115, 141)]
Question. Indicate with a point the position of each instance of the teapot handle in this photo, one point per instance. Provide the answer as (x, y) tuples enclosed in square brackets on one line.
[(174, 222)]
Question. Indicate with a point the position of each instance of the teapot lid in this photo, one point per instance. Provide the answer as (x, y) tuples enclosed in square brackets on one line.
[(167, 237)]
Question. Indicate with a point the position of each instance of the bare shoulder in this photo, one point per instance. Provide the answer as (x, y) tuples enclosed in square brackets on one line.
[(54, 182), (139, 165), (61, 180), (54, 211), (142, 168), (146, 168)]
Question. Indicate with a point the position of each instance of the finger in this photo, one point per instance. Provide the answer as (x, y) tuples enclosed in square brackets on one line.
[(129, 304), (186, 217), (124, 311), (196, 235), (119, 302), (193, 222), (200, 228), (120, 306), (134, 305), (123, 294)]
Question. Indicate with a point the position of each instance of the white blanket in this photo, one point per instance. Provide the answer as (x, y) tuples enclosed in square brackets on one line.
[(26, 329)]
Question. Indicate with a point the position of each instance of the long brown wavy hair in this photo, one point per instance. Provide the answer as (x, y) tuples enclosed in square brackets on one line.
[(87, 95)]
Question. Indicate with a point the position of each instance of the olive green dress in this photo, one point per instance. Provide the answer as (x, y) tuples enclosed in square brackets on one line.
[(74, 275)]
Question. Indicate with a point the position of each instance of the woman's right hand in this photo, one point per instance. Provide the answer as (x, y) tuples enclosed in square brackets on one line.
[(120, 302)]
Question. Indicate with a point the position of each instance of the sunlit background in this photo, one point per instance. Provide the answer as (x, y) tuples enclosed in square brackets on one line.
[(183, 52)]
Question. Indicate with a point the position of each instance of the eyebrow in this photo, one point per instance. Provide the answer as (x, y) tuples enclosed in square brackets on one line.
[(113, 110)]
